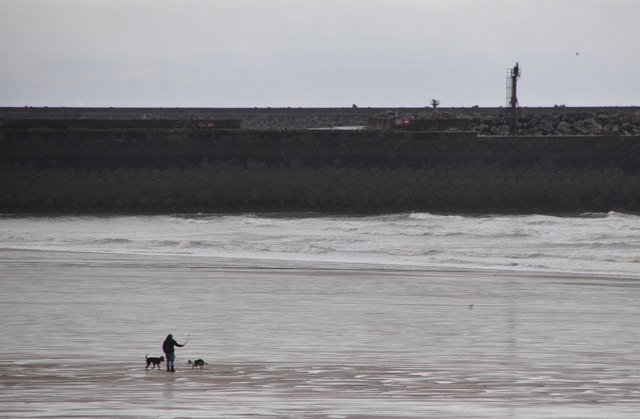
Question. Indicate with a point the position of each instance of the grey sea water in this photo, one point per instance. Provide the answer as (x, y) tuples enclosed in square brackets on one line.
[(395, 316), (590, 243)]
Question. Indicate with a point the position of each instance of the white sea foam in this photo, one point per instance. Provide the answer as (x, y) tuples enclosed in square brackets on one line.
[(589, 243)]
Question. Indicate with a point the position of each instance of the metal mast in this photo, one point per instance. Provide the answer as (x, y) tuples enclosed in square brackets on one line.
[(513, 74)]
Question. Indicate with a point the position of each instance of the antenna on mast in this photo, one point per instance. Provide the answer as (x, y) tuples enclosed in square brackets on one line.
[(513, 74)]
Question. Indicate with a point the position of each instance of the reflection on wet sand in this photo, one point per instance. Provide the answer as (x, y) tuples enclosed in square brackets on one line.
[(290, 390)]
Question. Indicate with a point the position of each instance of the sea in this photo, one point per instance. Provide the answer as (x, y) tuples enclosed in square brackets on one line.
[(411, 315)]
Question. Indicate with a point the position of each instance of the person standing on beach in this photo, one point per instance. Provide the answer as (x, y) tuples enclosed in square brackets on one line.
[(169, 351)]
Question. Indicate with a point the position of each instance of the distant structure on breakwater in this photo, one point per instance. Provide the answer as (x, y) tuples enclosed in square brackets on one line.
[(445, 160)]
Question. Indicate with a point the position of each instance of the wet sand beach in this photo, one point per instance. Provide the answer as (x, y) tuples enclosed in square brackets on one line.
[(295, 341)]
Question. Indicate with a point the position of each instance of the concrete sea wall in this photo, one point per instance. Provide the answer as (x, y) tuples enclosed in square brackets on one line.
[(147, 170)]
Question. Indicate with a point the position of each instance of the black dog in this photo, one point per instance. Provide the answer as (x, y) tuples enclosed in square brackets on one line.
[(197, 363), (155, 361)]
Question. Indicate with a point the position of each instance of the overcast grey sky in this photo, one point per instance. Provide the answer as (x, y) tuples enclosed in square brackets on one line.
[(245, 53)]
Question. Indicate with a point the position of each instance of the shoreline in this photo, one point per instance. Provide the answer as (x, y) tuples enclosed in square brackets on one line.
[(263, 264)]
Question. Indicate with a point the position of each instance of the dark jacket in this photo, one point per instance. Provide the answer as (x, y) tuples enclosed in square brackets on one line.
[(169, 345)]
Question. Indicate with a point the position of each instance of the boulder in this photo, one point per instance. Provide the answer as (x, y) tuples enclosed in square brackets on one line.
[(564, 128)]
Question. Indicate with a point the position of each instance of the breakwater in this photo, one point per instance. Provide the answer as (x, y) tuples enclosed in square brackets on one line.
[(190, 168)]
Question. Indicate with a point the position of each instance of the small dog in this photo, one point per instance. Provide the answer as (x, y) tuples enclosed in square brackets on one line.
[(197, 363), (155, 361)]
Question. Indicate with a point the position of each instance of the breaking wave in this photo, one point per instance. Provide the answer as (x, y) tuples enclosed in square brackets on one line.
[(605, 243)]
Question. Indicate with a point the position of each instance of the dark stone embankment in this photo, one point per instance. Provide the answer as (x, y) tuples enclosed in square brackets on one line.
[(262, 167), (560, 121)]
